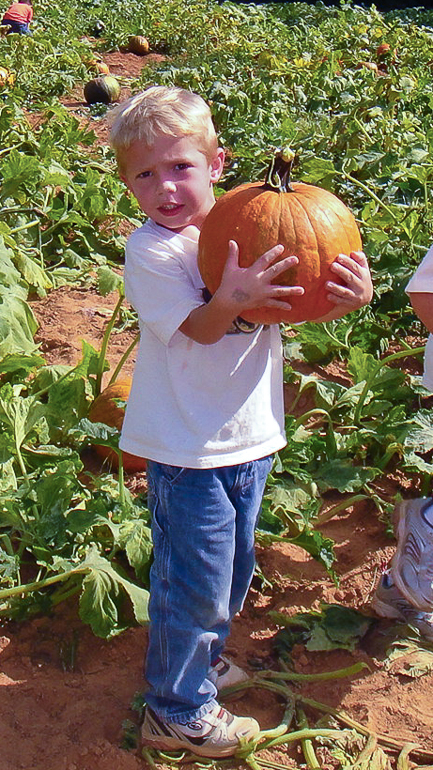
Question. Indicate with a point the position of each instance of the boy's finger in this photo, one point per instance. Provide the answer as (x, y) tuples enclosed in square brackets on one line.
[(287, 291), (282, 265), (284, 304), (233, 253), (359, 256), (354, 261), (269, 256), (347, 268)]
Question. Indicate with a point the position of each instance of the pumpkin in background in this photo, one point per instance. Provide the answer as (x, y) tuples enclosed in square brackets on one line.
[(382, 49), (312, 223), (102, 68), (6, 78), (138, 44), (109, 408), (105, 89), (97, 65)]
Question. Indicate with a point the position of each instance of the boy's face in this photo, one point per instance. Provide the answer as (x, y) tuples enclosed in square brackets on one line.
[(172, 180)]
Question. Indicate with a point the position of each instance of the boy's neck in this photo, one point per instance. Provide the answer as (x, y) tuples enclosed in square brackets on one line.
[(189, 231)]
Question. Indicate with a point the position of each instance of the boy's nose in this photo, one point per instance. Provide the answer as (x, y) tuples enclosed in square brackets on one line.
[(168, 185)]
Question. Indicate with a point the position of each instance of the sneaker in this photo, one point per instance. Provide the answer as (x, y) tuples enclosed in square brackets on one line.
[(412, 564), (217, 734), (388, 602), (225, 673)]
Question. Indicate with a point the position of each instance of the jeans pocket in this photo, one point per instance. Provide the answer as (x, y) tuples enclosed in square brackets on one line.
[(172, 473)]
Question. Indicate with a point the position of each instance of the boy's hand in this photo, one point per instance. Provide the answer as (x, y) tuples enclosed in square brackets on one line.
[(243, 288), (357, 288)]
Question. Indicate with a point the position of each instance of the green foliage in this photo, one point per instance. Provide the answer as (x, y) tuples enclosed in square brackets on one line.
[(280, 73), (334, 627), (61, 531)]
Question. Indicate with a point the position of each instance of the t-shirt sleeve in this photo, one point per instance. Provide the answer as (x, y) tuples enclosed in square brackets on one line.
[(159, 286), (422, 279)]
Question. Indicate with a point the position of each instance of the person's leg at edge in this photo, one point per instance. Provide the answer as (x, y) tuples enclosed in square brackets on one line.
[(405, 589), (204, 560)]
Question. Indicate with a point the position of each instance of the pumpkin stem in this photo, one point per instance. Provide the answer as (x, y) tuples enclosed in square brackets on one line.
[(278, 175)]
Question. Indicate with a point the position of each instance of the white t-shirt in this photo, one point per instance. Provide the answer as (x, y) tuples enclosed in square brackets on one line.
[(193, 405), (422, 282)]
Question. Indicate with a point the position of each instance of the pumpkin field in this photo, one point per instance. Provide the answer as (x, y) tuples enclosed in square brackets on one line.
[(350, 89)]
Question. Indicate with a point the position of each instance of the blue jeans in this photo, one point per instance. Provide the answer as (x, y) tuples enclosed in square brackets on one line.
[(16, 26), (203, 523)]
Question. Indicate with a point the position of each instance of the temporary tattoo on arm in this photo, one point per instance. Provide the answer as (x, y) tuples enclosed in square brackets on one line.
[(240, 296)]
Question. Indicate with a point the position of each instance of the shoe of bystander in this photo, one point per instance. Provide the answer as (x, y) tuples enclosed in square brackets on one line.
[(389, 602), (412, 564)]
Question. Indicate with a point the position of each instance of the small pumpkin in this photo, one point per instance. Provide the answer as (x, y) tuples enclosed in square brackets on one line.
[(99, 66), (6, 78), (382, 49), (138, 44), (109, 408), (105, 89), (102, 68), (312, 223)]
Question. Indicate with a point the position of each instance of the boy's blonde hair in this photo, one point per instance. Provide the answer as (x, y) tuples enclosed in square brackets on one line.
[(166, 110)]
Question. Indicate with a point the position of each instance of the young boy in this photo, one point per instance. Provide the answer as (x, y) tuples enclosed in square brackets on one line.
[(205, 408), (18, 17), (405, 590)]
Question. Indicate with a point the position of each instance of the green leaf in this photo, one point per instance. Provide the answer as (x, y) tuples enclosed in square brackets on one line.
[(96, 432), (20, 364), (315, 170), (103, 586), (135, 537), (313, 341), (32, 273), (67, 403), (360, 364), (109, 281), (9, 275), (56, 175), (97, 605), (17, 326), (17, 169), (334, 627), (9, 567), (420, 434), (21, 414), (318, 546), (344, 476)]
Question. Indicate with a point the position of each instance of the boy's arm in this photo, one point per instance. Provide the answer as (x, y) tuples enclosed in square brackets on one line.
[(356, 289), (422, 303), (240, 289)]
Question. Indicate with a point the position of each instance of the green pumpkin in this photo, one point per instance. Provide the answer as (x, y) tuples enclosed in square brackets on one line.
[(105, 89)]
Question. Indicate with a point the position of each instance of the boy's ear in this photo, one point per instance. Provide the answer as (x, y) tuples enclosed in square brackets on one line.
[(217, 165), (124, 179)]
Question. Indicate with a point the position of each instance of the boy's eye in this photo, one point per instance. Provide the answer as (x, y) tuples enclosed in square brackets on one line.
[(143, 175), (183, 166)]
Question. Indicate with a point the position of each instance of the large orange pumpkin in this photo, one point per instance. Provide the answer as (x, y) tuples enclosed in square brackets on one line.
[(312, 223), (109, 408)]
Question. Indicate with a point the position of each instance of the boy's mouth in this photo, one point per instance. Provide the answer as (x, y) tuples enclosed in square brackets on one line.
[(170, 209)]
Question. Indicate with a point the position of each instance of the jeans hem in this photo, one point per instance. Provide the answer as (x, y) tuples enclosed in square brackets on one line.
[(187, 716)]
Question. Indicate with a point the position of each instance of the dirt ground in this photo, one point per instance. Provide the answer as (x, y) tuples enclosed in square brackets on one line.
[(66, 694)]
